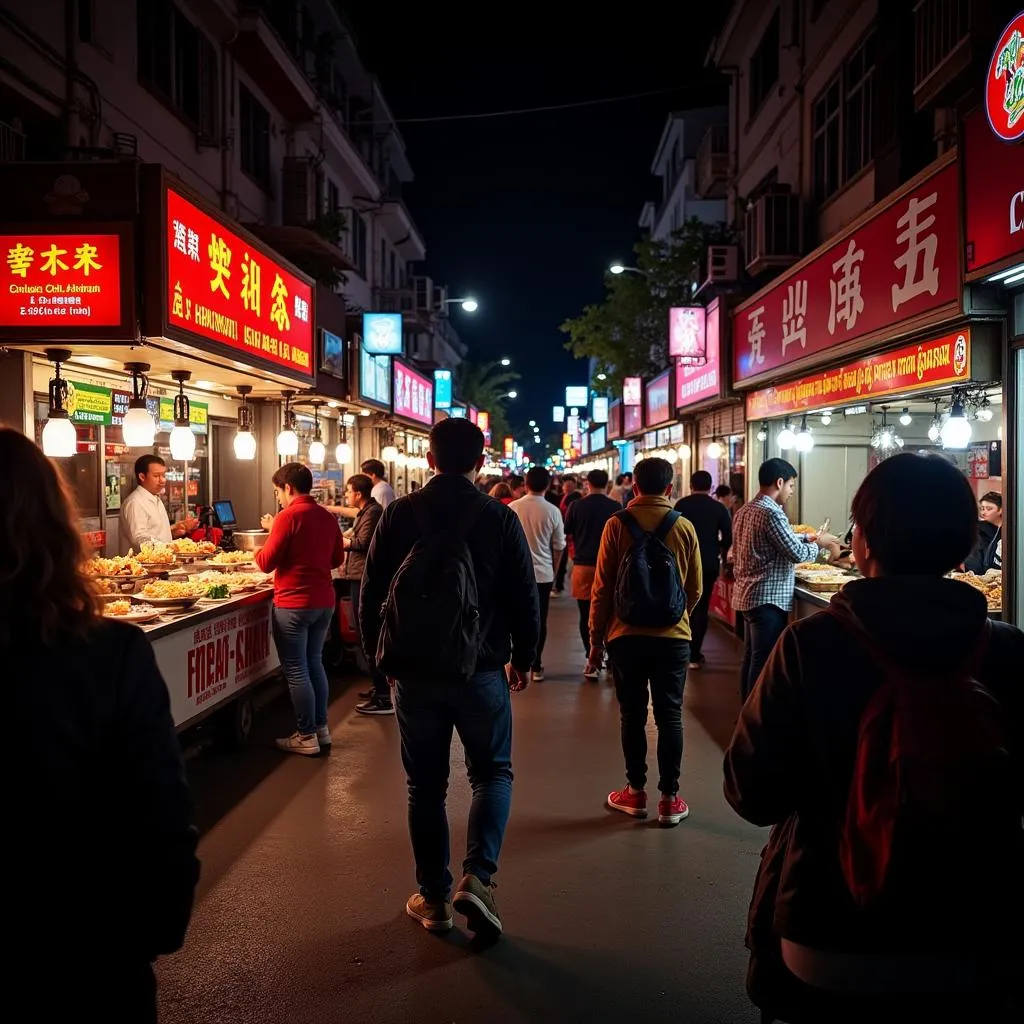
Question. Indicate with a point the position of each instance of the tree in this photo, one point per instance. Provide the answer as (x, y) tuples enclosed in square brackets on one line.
[(627, 334), (486, 385)]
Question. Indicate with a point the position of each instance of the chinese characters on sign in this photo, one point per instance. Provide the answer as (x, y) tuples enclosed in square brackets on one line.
[(686, 335), (899, 264), (61, 281), (1004, 83), (413, 395), (231, 291), (699, 383)]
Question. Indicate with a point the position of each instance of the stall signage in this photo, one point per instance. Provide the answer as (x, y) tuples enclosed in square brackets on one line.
[(483, 421), (1004, 83), (945, 360), (332, 354), (413, 395), (382, 333), (614, 420), (457, 412), (566, 441), (599, 410), (897, 265), (89, 403), (632, 391), (699, 383), (61, 282), (375, 378), (659, 392), (508, 447), (442, 389), (471, 412), (721, 601), (597, 439), (687, 335), (232, 291), (577, 395), (198, 415), (632, 419)]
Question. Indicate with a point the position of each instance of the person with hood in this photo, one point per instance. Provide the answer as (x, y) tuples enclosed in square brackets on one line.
[(820, 949)]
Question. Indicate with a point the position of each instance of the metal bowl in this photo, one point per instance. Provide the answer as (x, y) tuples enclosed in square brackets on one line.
[(249, 540)]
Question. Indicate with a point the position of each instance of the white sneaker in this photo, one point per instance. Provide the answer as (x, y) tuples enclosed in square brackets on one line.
[(308, 746), (591, 672), (537, 675), (323, 735)]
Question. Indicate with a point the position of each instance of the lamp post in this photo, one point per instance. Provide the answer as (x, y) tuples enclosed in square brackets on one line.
[(468, 304), (618, 268)]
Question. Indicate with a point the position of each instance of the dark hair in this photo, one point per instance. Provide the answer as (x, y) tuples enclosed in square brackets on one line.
[(500, 490), (774, 470), (909, 545), (296, 474), (598, 479), (993, 498), (456, 445), (515, 480), (538, 479), (569, 479), (374, 467), (630, 475), (701, 481), (361, 484), (652, 476), (143, 462), (43, 591), (722, 491), (619, 479)]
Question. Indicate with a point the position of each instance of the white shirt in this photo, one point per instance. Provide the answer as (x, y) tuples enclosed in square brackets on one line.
[(545, 534), (143, 517), (382, 493)]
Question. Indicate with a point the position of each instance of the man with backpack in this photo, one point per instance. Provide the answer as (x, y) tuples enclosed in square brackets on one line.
[(449, 599), (647, 581)]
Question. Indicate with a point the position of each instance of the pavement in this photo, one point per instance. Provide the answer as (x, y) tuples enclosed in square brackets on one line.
[(306, 868)]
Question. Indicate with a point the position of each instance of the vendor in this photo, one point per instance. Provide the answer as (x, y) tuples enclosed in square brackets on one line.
[(988, 552), (143, 514)]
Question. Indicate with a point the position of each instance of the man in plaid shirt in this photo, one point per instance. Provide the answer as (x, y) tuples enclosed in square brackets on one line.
[(765, 549)]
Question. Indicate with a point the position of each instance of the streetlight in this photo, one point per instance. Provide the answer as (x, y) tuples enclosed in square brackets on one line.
[(469, 304), (620, 268), (512, 394), (506, 361), (602, 376), (533, 423)]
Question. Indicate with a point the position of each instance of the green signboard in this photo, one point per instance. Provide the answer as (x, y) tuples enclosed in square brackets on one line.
[(89, 403)]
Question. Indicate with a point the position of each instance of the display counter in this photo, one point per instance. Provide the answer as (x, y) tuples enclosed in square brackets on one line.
[(808, 602)]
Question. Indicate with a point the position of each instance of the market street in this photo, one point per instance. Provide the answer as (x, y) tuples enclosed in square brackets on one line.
[(306, 869)]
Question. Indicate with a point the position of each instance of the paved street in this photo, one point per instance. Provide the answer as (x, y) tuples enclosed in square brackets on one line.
[(306, 869)]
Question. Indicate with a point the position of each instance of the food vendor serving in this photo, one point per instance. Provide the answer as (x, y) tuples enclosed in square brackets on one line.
[(143, 515)]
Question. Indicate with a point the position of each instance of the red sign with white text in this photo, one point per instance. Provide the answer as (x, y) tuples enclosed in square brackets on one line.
[(61, 282), (901, 263), (1004, 83), (699, 383), (614, 420), (632, 391), (658, 393), (945, 360), (413, 395), (687, 334), (232, 291), (632, 419), (994, 187)]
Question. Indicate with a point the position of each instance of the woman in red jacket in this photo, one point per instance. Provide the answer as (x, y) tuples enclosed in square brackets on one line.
[(304, 546)]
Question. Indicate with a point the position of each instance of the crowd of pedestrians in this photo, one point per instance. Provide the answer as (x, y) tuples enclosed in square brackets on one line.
[(882, 746)]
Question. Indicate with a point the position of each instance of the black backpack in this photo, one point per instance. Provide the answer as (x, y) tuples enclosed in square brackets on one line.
[(649, 590), (431, 622)]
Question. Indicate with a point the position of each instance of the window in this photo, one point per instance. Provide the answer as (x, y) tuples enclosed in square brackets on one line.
[(333, 197), (359, 243), (254, 137), (843, 122), (764, 66)]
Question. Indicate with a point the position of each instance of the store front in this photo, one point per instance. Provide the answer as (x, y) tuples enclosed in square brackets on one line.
[(412, 409)]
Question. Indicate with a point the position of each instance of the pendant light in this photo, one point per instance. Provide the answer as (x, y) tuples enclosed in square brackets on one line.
[(317, 450), (60, 440), (804, 440), (390, 452), (826, 417), (182, 440), (762, 433), (138, 428), (288, 440), (714, 448), (956, 431), (905, 418), (245, 440), (684, 451), (343, 453), (787, 437)]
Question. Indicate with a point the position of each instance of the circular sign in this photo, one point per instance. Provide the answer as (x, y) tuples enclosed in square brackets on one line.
[(960, 356), (1004, 83)]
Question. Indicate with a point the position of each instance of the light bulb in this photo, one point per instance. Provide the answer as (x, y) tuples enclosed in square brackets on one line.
[(934, 431), (905, 418), (685, 451), (985, 412), (762, 434), (715, 450), (885, 438), (671, 457), (343, 453), (138, 428), (389, 454), (317, 452), (288, 444), (401, 460), (787, 438), (183, 443), (826, 418), (245, 445), (804, 441), (60, 439), (956, 431)]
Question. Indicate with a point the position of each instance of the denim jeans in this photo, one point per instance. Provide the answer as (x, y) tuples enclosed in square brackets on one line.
[(650, 668), (762, 625), (544, 597), (480, 711), (300, 634)]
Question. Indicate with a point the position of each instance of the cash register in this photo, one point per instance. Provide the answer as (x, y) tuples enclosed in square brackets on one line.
[(216, 523)]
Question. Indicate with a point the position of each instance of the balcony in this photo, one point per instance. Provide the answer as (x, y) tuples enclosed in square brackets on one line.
[(942, 48), (773, 232), (713, 162), (412, 302)]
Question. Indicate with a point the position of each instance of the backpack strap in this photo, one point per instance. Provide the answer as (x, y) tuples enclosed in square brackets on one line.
[(629, 521), (665, 526)]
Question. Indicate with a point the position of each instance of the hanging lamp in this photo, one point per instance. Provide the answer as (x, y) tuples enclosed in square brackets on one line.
[(287, 439), (182, 440), (60, 439), (138, 428), (245, 439)]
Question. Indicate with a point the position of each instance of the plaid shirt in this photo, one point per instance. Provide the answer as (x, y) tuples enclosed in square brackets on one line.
[(765, 549)]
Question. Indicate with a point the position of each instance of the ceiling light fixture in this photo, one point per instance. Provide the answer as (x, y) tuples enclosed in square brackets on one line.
[(787, 437), (245, 440), (138, 428), (182, 440), (804, 440), (60, 439), (956, 431), (317, 449), (287, 439)]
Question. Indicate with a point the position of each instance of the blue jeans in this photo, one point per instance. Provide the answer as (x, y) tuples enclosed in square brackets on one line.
[(763, 626), (480, 711), (300, 634)]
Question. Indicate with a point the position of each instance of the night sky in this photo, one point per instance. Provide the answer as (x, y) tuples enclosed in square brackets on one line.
[(526, 212)]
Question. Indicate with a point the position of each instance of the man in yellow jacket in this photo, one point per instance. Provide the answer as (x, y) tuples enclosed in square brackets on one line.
[(648, 663)]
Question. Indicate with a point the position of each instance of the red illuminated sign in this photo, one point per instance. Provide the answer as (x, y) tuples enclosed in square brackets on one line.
[(899, 264), (632, 391), (659, 395), (632, 419), (231, 291), (412, 395), (62, 284), (1004, 83), (699, 383), (687, 337), (614, 420), (508, 446)]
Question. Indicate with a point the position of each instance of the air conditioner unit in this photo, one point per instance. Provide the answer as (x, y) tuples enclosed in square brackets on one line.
[(423, 291), (440, 298), (723, 263), (773, 231), (298, 190)]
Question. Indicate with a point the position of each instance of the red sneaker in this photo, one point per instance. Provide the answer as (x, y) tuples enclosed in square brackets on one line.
[(628, 802), (673, 810)]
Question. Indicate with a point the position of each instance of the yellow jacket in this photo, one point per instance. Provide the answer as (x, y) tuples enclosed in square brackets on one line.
[(616, 541)]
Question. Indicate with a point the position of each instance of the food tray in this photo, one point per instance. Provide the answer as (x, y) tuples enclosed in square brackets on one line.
[(167, 602), (821, 586)]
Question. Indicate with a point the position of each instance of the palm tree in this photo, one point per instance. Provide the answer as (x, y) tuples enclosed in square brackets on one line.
[(486, 386)]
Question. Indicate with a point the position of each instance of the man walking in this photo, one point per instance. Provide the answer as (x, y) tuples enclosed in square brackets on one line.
[(713, 524), (570, 495), (472, 575), (545, 536), (765, 550), (648, 640), (584, 525)]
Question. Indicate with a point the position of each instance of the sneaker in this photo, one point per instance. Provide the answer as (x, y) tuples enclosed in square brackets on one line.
[(377, 705), (591, 672), (365, 694), (434, 915), (557, 593), (323, 735), (672, 810), (297, 743), (698, 662), (475, 900), (537, 675), (629, 802)]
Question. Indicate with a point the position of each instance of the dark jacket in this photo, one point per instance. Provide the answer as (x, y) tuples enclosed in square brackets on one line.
[(362, 533), (984, 556), (584, 523), (506, 586), (792, 755), (104, 854), (713, 524)]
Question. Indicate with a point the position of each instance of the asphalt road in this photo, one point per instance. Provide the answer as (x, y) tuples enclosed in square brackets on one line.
[(306, 869)]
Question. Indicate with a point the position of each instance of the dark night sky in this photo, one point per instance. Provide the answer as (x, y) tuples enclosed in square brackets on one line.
[(526, 212)]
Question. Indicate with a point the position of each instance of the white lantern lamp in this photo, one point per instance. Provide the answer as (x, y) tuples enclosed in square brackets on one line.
[(245, 440), (288, 439), (182, 439), (60, 439), (317, 449), (956, 431), (787, 437), (138, 428), (715, 449), (804, 440), (343, 453)]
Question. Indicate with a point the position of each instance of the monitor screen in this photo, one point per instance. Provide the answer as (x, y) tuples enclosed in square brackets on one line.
[(225, 512)]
